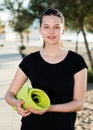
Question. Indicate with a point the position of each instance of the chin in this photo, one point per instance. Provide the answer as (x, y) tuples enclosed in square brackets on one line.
[(52, 42)]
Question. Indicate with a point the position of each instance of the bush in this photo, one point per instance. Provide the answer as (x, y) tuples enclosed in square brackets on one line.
[(22, 47), (90, 76)]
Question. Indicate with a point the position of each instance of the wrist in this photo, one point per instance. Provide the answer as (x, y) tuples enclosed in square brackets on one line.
[(52, 108)]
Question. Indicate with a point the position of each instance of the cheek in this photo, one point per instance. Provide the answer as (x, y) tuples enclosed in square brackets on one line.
[(43, 33), (59, 33)]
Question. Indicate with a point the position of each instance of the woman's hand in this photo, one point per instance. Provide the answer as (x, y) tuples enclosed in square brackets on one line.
[(38, 112), (20, 110)]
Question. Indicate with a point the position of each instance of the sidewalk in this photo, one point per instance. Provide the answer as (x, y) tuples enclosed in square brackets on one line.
[(9, 60), (9, 119)]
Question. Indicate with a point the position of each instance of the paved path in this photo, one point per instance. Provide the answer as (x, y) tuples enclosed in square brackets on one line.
[(9, 60)]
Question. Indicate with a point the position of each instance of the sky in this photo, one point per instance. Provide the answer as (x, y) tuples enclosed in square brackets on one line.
[(4, 15)]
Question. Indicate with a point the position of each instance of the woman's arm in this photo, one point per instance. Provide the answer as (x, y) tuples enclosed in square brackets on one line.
[(18, 81), (76, 104)]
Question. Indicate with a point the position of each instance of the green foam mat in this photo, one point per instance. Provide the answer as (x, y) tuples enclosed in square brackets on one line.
[(34, 97)]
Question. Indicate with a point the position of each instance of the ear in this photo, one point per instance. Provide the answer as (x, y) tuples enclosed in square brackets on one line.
[(64, 28)]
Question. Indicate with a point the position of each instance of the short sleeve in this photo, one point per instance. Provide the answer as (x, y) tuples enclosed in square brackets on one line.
[(24, 65), (79, 63)]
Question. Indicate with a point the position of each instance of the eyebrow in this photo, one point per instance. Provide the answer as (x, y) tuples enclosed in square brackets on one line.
[(54, 24)]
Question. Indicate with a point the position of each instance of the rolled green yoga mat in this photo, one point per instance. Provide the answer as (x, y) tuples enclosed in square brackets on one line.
[(36, 98)]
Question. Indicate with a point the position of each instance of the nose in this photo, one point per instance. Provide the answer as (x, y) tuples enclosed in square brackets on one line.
[(51, 30)]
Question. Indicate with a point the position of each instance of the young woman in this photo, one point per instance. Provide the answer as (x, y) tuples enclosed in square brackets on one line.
[(61, 73)]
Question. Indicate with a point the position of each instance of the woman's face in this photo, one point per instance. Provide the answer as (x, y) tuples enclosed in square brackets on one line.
[(51, 29)]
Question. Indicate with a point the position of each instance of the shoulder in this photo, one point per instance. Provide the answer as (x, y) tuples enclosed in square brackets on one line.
[(28, 62), (75, 54), (31, 56), (28, 59), (76, 57), (77, 60)]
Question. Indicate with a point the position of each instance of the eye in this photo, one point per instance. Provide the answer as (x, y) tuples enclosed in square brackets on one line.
[(45, 26), (57, 27)]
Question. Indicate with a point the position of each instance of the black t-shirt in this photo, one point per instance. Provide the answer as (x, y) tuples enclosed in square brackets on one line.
[(57, 80)]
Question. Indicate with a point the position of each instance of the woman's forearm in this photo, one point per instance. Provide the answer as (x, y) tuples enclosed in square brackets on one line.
[(72, 106), (10, 98)]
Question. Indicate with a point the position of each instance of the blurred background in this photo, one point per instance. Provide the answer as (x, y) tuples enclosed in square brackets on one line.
[(19, 36), (19, 22)]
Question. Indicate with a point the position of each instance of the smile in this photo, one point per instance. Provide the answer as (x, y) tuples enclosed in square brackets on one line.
[(51, 37)]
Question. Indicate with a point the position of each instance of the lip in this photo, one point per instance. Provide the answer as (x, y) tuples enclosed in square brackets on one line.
[(51, 37)]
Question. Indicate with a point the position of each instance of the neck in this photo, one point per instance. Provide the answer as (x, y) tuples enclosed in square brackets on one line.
[(52, 50)]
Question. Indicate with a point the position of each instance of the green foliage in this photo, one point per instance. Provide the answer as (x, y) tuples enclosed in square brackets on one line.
[(21, 18), (38, 6), (22, 47), (2, 27), (89, 23), (19, 22), (75, 11), (90, 76)]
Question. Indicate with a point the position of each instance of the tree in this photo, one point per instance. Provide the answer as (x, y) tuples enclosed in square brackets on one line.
[(73, 27), (38, 6), (21, 18), (2, 30), (2, 27), (21, 22), (77, 11), (89, 23)]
